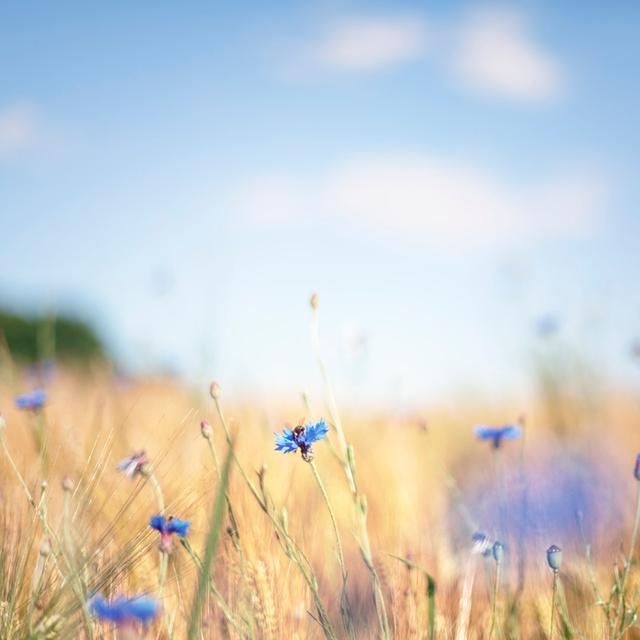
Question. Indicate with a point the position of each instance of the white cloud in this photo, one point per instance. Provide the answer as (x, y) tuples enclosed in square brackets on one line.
[(491, 51), (367, 44), (19, 128), (495, 52), (425, 199)]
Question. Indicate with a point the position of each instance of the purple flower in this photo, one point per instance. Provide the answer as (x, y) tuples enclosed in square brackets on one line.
[(302, 437), (134, 464), (125, 611), (32, 400), (167, 527), (496, 434)]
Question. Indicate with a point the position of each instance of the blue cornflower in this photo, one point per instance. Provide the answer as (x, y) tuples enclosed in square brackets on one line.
[(167, 527), (32, 400), (125, 611), (302, 437), (496, 434)]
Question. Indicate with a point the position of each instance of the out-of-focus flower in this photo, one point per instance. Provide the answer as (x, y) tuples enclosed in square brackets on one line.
[(481, 543), (498, 551), (636, 469), (546, 326), (134, 464), (302, 437), (497, 434), (554, 557), (32, 400), (167, 527), (125, 611)]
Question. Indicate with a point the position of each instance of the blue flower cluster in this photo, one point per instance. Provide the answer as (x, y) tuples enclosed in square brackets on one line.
[(32, 400)]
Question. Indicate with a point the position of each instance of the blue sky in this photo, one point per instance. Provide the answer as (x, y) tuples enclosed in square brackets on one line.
[(442, 174)]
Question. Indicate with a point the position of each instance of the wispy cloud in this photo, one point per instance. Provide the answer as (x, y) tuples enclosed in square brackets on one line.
[(495, 52), (367, 44), (491, 51), (19, 128), (429, 200)]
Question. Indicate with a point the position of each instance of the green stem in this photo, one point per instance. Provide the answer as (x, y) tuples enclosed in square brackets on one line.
[(158, 491), (345, 607), (553, 603)]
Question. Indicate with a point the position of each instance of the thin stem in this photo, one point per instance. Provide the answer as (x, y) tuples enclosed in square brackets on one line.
[(334, 523), (72, 564), (494, 604), (345, 607), (627, 566), (349, 469), (553, 603), (17, 473), (158, 491)]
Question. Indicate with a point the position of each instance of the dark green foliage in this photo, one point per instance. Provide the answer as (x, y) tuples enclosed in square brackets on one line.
[(30, 339)]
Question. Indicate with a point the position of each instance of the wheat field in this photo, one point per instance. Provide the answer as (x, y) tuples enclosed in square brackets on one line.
[(418, 500)]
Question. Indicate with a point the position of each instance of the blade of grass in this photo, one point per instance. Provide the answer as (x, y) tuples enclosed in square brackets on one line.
[(210, 548), (431, 593)]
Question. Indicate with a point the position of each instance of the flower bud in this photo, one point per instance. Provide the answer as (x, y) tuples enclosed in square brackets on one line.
[(636, 470), (554, 557), (498, 552), (45, 548), (214, 390), (67, 484), (3, 422), (145, 470), (206, 430), (314, 301)]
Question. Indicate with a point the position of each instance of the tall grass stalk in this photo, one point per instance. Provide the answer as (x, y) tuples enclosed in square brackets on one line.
[(348, 463), (210, 549), (494, 601), (464, 605), (618, 625), (345, 605), (430, 593), (290, 547)]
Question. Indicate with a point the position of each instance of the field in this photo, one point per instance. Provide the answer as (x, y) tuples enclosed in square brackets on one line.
[(409, 493)]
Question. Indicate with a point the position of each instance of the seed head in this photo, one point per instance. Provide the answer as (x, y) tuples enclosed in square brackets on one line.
[(498, 551), (314, 301), (206, 430), (214, 390), (554, 557), (67, 484)]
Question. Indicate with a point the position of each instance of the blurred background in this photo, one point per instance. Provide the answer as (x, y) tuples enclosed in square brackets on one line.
[(458, 182)]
